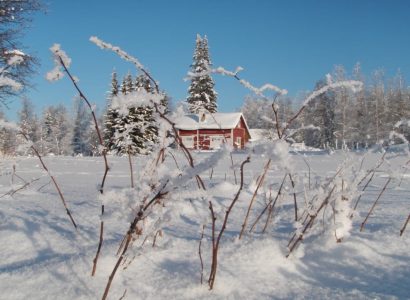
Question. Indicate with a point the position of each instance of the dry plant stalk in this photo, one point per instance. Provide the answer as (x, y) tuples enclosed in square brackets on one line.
[(373, 172), (52, 179), (13, 191), (131, 170), (294, 196), (374, 204), (405, 225), (200, 253), (309, 223), (158, 233), (215, 242), (103, 153), (260, 181), (270, 205), (139, 216)]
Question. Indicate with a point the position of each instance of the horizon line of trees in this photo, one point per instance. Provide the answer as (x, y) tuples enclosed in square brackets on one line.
[(335, 120), (341, 119)]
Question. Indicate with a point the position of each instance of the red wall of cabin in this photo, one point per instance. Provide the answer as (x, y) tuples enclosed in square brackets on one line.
[(204, 140)]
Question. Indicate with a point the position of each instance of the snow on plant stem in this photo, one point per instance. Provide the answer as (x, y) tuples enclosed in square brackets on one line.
[(354, 85), (57, 72), (124, 55)]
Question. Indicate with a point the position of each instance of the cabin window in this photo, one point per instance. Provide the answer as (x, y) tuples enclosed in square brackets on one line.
[(188, 141)]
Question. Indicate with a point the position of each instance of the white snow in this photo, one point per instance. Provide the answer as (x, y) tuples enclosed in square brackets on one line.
[(43, 257)]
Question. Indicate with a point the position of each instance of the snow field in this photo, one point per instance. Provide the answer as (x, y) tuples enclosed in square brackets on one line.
[(43, 257)]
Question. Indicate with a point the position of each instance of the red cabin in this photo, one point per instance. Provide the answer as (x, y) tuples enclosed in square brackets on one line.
[(207, 131)]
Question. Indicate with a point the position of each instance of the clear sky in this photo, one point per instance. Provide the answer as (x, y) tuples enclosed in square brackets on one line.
[(289, 43)]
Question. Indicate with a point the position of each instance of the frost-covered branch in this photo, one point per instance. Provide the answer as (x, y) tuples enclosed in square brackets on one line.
[(258, 91), (351, 84), (124, 55)]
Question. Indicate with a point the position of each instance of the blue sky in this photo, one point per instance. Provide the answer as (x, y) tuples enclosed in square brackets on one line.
[(291, 44)]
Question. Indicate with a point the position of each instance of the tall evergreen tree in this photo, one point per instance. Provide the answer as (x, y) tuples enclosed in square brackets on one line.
[(202, 95), (111, 114), (7, 138), (80, 141), (55, 131), (28, 122), (136, 132)]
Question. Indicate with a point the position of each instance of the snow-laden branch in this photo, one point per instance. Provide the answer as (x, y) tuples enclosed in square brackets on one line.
[(222, 71), (124, 55), (258, 91), (7, 81), (16, 58), (354, 85), (57, 72)]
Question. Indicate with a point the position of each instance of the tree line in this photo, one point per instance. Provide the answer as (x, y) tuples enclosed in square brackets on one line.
[(133, 131), (59, 132), (340, 118)]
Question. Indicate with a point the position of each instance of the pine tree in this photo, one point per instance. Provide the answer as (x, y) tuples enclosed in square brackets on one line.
[(111, 114), (202, 95), (28, 122), (81, 131), (136, 132), (56, 131), (7, 138)]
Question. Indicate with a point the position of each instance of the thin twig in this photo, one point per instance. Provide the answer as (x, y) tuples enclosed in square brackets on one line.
[(158, 233), (123, 295), (101, 240), (214, 265), (131, 170), (139, 216), (294, 196), (200, 253), (103, 153), (374, 204), (13, 191), (405, 225), (270, 203), (52, 179), (309, 224), (260, 182), (271, 206)]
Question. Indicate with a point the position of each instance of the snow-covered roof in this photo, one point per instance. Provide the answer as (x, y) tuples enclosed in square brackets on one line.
[(210, 121)]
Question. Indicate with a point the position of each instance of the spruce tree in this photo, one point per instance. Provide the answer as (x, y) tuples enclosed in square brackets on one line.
[(145, 115), (111, 114), (202, 95), (133, 132), (28, 122), (80, 141)]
